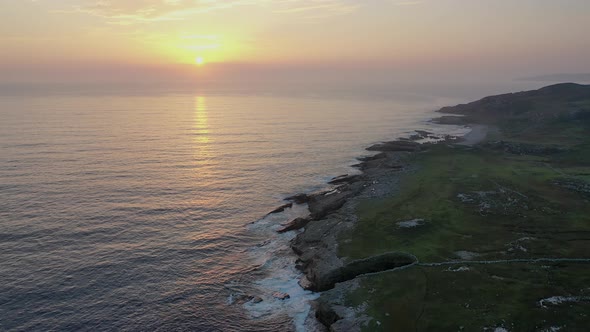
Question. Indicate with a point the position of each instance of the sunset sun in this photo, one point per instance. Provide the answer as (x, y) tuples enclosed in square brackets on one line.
[(199, 61)]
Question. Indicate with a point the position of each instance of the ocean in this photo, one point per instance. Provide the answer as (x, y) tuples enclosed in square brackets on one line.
[(137, 211)]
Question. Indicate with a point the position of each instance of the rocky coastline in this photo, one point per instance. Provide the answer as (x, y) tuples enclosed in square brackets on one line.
[(331, 212), (432, 210)]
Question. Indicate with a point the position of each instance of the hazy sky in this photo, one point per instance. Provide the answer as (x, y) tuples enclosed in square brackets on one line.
[(101, 39)]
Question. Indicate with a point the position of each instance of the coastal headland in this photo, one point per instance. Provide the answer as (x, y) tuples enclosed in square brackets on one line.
[(490, 232)]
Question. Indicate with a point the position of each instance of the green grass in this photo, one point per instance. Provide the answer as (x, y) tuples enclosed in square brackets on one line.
[(452, 225), (485, 296), (528, 204)]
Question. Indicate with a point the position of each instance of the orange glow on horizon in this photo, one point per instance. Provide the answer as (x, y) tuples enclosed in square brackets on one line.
[(163, 35)]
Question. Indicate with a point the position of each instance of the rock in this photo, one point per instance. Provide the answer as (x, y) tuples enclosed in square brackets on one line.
[(380, 163), (345, 179), (404, 146), (305, 283), (326, 314), (322, 204), (242, 298), (420, 134), (350, 324), (466, 255), (298, 199), (410, 223), (294, 224), (381, 155), (371, 161), (336, 178), (451, 138), (262, 244), (575, 185), (280, 208), (501, 201), (424, 133), (383, 262), (281, 295), (256, 299)]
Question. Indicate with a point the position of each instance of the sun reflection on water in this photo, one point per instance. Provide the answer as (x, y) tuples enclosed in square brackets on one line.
[(201, 121), (206, 167), (202, 142)]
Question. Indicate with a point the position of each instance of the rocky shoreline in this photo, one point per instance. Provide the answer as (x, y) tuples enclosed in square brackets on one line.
[(331, 211), (462, 204)]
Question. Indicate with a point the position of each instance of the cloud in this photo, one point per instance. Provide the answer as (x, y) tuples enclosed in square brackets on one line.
[(323, 8), (138, 11), (409, 3)]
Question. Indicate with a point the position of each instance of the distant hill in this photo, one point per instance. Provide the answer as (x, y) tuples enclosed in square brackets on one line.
[(536, 105)]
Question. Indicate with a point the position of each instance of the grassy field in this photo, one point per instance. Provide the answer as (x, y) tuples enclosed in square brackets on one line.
[(479, 201), (484, 203), (477, 297)]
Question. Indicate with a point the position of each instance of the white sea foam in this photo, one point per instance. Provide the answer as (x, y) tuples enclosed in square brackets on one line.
[(278, 261)]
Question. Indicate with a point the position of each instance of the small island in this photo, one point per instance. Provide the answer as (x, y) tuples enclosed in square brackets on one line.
[(490, 232)]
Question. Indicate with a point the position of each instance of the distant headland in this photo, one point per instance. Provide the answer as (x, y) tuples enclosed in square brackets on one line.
[(489, 232)]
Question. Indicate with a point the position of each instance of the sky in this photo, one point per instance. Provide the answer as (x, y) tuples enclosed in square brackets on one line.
[(103, 40)]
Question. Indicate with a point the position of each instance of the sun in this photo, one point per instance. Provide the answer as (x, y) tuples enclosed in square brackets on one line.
[(199, 61)]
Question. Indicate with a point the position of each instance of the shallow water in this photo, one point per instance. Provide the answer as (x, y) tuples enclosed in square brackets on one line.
[(130, 212)]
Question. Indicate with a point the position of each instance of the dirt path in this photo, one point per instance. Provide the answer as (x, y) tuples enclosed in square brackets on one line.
[(503, 261)]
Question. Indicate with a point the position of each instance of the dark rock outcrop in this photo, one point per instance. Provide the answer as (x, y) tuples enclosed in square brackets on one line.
[(280, 208), (281, 295), (398, 146), (575, 185), (298, 199), (421, 134), (294, 224), (379, 164), (326, 314), (330, 215), (378, 156), (322, 204), (345, 179), (355, 268)]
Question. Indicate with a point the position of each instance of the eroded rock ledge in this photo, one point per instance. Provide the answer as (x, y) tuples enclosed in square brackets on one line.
[(332, 212), (359, 267)]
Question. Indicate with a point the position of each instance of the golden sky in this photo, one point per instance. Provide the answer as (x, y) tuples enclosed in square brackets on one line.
[(534, 34)]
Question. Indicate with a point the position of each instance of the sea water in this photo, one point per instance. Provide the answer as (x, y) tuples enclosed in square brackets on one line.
[(137, 211)]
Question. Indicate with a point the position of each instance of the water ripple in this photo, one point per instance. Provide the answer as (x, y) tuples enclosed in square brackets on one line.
[(127, 212)]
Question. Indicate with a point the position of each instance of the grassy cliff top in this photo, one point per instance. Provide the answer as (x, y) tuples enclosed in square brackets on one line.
[(524, 193), (560, 101)]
